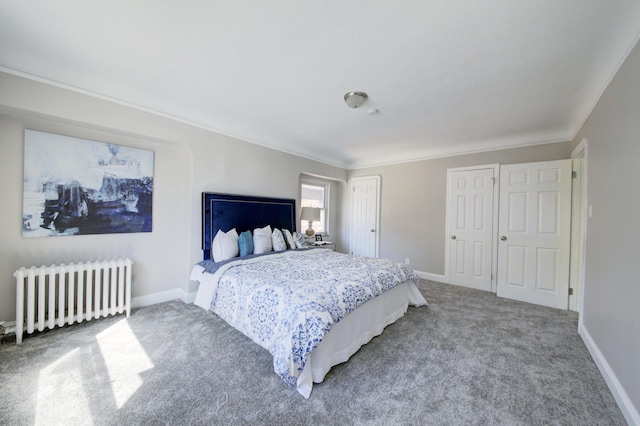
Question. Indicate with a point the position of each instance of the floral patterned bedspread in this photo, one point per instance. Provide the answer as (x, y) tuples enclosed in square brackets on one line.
[(286, 302)]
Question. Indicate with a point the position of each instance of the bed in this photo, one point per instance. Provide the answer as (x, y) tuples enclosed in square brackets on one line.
[(311, 308)]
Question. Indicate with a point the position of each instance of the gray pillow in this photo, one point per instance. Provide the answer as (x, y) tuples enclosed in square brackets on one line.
[(289, 238), (278, 240), (299, 240)]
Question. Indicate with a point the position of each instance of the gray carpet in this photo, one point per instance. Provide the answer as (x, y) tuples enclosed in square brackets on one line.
[(469, 358)]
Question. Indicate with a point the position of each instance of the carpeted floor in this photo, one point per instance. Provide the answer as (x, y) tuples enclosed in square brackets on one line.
[(469, 358)]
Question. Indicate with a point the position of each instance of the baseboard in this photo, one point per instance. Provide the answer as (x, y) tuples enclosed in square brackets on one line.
[(629, 412), (431, 277), (162, 296), (188, 297), (136, 302)]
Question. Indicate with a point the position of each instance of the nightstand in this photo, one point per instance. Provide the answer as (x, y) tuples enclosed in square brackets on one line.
[(321, 244)]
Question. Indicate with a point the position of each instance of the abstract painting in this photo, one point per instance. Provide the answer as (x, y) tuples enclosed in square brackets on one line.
[(76, 187)]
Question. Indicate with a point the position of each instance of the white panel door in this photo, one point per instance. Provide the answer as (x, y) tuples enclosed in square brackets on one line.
[(470, 233), (365, 204), (535, 225)]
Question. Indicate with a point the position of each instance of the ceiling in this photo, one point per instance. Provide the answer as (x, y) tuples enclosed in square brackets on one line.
[(446, 76)]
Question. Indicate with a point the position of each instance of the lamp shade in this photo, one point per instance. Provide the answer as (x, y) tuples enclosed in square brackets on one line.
[(310, 213)]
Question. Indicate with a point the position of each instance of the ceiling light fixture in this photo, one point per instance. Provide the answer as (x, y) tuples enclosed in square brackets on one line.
[(355, 99)]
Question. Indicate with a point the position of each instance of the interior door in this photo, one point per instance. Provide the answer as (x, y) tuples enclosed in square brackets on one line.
[(535, 219), (470, 224), (365, 204)]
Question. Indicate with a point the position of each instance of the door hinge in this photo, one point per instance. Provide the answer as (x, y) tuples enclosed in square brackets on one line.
[(493, 180), (570, 291), (574, 175)]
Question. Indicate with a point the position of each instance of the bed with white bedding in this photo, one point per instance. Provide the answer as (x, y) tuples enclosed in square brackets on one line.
[(310, 308)]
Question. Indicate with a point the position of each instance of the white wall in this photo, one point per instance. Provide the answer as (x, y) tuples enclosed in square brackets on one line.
[(188, 160), (610, 322)]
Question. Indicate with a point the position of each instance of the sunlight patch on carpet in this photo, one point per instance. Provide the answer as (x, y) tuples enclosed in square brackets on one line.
[(59, 380), (125, 359)]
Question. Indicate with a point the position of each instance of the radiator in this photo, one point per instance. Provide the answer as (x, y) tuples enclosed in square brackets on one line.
[(52, 296)]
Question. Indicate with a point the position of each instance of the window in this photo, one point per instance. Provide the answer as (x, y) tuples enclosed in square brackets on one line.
[(315, 194)]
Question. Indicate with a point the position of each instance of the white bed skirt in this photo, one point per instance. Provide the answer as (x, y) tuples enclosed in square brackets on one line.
[(355, 330)]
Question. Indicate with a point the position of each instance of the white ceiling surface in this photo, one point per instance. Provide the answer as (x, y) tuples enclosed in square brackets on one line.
[(447, 76)]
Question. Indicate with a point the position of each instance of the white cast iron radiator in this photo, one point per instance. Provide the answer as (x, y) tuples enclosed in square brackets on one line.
[(64, 294)]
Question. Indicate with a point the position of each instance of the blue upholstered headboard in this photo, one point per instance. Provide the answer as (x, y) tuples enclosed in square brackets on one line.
[(243, 212)]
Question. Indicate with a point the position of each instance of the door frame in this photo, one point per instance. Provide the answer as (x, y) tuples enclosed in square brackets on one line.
[(494, 248), (579, 236), (351, 211)]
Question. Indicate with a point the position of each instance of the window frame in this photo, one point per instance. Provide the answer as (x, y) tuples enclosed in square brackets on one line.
[(326, 186)]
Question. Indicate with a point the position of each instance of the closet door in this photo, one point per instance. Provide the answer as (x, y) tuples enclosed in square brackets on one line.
[(470, 227), (535, 228)]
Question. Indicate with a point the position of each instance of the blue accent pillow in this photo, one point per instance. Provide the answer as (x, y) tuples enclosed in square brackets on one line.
[(245, 243)]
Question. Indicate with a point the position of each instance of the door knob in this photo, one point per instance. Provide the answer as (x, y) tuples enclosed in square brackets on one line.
[(503, 238), (373, 230), (453, 237)]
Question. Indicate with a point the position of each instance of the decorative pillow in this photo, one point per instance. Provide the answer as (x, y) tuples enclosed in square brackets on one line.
[(277, 239), (299, 240), (262, 240), (289, 239), (245, 243), (224, 245)]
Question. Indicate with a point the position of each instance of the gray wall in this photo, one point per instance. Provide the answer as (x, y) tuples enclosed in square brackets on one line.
[(413, 201), (154, 269), (611, 314), (188, 160)]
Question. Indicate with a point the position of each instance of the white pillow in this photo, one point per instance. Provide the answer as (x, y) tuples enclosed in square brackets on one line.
[(289, 238), (262, 240), (224, 245), (277, 239)]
